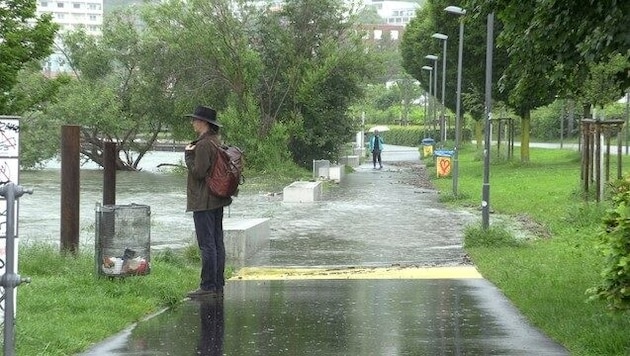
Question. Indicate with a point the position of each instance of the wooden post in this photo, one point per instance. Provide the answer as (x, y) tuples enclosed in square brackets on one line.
[(70, 188), (109, 173)]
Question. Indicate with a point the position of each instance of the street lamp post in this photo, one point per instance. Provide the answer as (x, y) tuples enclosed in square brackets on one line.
[(485, 189), (442, 37), (434, 58), (460, 12), (427, 97), (430, 69)]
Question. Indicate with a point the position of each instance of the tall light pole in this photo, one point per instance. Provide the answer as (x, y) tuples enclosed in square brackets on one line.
[(485, 189), (458, 118), (434, 58), (442, 37), (430, 69)]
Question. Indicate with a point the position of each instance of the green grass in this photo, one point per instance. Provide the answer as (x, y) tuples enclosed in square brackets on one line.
[(65, 308), (547, 275)]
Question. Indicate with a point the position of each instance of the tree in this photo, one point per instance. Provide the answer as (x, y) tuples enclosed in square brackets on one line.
[(119, 93), (417, 43), (23, 37), (279, 73), (29, 97), (564, 38)]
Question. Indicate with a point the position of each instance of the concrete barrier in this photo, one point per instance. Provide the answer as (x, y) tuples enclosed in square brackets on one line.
[(302, 192), (243, 238), (336, 173), (352, 161)]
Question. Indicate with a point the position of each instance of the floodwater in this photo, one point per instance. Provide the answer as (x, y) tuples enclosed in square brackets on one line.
[(161, 189), (409, 224)]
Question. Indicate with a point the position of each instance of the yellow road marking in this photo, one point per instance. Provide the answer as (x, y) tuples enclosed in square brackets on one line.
[(394, 272)]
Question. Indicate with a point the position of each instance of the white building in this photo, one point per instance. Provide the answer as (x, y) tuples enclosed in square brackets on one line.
[(395, 13), (70, 15)]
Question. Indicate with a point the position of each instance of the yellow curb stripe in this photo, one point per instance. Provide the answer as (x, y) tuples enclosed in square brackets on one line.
[(263, 273)]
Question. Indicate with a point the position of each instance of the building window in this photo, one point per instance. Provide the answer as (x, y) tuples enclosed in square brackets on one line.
[(60, 5), (43, 3), (92, 17), (76, 5), (94, 6)]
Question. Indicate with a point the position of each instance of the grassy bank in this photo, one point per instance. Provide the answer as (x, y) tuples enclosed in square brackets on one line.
[(66, 308), (548, 274)]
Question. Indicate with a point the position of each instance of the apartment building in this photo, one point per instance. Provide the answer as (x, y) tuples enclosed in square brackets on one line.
[(395, 13), (70, 15)]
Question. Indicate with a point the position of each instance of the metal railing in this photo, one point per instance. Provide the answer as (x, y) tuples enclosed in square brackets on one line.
[(10, 280)]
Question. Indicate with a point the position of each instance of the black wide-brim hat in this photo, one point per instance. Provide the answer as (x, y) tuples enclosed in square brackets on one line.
[(206, 114)]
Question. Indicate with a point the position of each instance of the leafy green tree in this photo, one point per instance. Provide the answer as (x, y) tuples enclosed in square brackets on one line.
[(30, 96), (417, 43), (563, 39), (120, 92), (23, 37), (292, 70)]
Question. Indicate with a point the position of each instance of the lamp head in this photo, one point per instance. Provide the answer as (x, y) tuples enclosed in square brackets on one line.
[(455, 10), (429, 68), (432, 57), (440, 36)]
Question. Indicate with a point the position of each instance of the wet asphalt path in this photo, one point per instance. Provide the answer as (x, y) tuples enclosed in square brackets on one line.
[(374, 218)]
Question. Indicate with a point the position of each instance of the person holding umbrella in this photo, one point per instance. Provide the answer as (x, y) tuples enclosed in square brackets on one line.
[(376, 147)]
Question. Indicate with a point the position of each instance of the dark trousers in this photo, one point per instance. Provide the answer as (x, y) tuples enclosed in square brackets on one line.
[(209, 231), (376, 156)]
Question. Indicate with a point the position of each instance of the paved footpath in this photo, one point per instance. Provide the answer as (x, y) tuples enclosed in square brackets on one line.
[(375, 268)]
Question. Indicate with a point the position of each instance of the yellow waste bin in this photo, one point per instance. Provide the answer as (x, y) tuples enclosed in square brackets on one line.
[(443, 163)]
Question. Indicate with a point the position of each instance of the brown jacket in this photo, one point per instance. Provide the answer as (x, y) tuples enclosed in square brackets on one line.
[(198, 161)]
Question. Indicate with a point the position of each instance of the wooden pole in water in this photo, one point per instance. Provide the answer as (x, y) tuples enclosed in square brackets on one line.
[(70, 188), (109, 173)]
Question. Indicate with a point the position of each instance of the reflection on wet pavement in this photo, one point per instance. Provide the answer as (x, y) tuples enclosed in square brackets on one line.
[(352, 317)]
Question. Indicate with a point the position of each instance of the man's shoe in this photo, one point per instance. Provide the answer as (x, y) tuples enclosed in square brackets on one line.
[(197, 293)]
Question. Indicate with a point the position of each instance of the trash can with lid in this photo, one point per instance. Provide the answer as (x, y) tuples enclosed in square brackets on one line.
[(427, 147), (122, 240), (443, 162)]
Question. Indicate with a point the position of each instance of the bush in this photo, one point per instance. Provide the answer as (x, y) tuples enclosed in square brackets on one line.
[(615, 246)]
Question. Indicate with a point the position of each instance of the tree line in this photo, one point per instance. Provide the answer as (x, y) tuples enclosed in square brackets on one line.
[(281, 78), (574, 50)]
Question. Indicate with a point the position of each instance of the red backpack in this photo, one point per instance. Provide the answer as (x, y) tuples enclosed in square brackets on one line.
[(225, 175)]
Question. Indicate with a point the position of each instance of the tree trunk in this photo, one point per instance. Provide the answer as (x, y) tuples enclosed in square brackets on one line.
[(525, 128), (571, 117)]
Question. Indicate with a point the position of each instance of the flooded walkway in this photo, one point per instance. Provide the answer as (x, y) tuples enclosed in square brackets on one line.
[(374, 221)]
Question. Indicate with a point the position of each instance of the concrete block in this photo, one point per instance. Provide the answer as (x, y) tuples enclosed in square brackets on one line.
[(243, 238), (320, 168), (352, 161), (336, 173), (302, 192)]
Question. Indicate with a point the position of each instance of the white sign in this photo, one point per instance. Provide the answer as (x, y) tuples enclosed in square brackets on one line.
[(9, 172)]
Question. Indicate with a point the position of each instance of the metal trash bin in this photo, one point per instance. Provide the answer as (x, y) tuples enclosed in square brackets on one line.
[(428, 145), (122, 240), (443, 162)]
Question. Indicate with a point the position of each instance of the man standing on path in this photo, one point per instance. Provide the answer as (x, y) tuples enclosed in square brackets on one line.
[(207, 209), (376, 146)]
